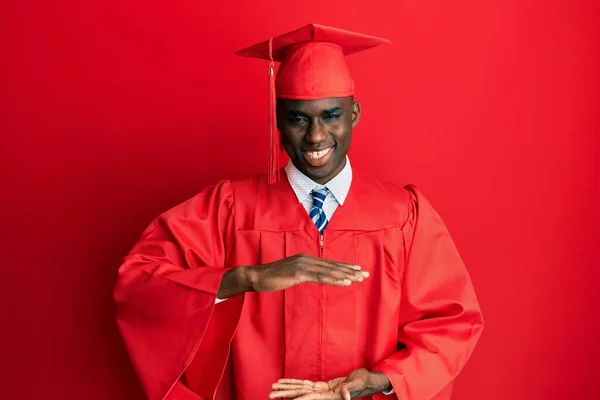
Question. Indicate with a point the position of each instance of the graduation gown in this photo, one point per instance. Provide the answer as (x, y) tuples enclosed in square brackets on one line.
[(416, 318)]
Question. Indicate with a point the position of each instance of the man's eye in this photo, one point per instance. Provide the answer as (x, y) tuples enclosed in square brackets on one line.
[(296, 121), (331, 116)]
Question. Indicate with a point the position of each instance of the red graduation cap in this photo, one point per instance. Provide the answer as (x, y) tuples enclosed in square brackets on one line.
[(313, 66)]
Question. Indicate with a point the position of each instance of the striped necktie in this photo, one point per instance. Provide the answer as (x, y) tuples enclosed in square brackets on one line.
[(317, 214)]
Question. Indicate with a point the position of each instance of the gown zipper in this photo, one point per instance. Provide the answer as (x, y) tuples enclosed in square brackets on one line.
[(321, 311)]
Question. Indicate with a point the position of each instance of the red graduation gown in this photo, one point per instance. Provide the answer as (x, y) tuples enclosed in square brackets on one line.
[(416, 318)]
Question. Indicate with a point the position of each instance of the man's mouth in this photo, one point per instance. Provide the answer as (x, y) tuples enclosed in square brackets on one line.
[(318, 158)]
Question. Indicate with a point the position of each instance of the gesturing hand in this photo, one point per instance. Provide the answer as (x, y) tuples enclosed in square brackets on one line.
[(301, 268), (358, 383)]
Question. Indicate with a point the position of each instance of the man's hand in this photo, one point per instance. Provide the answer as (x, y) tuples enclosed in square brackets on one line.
[(290, 271), (301, 268), (359, 383)]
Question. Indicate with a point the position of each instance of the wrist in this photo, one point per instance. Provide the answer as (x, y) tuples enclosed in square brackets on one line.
[(247, 276), (379, 382)]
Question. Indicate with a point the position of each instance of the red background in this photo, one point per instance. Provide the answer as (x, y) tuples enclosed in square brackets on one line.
[(113, 111)]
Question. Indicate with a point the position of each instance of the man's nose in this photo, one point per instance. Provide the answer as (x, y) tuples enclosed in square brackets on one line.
[(316, 132)]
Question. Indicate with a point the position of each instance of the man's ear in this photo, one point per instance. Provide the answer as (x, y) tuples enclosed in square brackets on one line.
[(355, 113)]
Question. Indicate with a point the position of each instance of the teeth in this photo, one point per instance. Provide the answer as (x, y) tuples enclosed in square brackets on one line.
[(315, 155)]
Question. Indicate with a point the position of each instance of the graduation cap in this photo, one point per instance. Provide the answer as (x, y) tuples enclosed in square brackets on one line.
[(313, 66)]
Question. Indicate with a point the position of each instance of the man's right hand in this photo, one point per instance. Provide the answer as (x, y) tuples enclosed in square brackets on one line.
[(288, 272), (292, 271)]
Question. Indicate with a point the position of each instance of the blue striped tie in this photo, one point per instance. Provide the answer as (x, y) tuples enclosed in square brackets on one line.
[(317, 214)]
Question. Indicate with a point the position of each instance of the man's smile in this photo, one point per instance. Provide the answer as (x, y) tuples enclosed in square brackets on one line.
[(318, 158)]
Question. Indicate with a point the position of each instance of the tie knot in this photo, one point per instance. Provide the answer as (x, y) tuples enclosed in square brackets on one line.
[(319, 196)]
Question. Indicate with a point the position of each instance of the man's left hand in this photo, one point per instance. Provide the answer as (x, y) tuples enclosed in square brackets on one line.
[(359, 383)]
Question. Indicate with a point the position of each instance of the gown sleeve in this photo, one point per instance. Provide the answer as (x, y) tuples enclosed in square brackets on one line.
[(440, 318), (165, 296)]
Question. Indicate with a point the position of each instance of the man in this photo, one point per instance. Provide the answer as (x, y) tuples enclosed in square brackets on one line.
[(328, 284)]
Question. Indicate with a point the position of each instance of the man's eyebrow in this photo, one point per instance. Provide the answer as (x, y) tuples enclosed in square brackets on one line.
[(332, 110), (296, 113)]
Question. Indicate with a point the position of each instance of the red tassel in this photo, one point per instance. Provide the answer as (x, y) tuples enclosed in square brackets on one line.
[(274, 150)]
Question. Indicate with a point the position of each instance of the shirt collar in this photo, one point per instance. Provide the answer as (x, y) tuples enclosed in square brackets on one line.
[(303, 185)]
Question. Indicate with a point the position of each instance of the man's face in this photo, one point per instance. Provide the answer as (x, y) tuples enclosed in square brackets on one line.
[(316, 134)]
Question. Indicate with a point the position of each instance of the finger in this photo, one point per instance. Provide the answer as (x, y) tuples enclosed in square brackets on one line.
[(345, 393), (341, 265), (336, 263), (296, 381), (290, 386), (345, 265), (323, 275), (327, 280), (351, 269), (356, 385), (355, 276), (320, 396), (289, 394)]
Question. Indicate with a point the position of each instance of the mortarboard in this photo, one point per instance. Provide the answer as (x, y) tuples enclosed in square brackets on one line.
[(313, 66)]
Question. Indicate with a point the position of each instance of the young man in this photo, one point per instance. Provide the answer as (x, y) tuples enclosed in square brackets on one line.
[(325, 284)]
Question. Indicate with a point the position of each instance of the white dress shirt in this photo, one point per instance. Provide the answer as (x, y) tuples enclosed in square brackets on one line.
[(303, 186)]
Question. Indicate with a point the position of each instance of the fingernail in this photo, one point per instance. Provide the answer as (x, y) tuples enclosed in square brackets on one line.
[(365, 274), (347, 282), (356, 267)]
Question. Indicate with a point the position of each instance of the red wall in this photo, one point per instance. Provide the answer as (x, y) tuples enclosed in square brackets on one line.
[(112, 111)]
